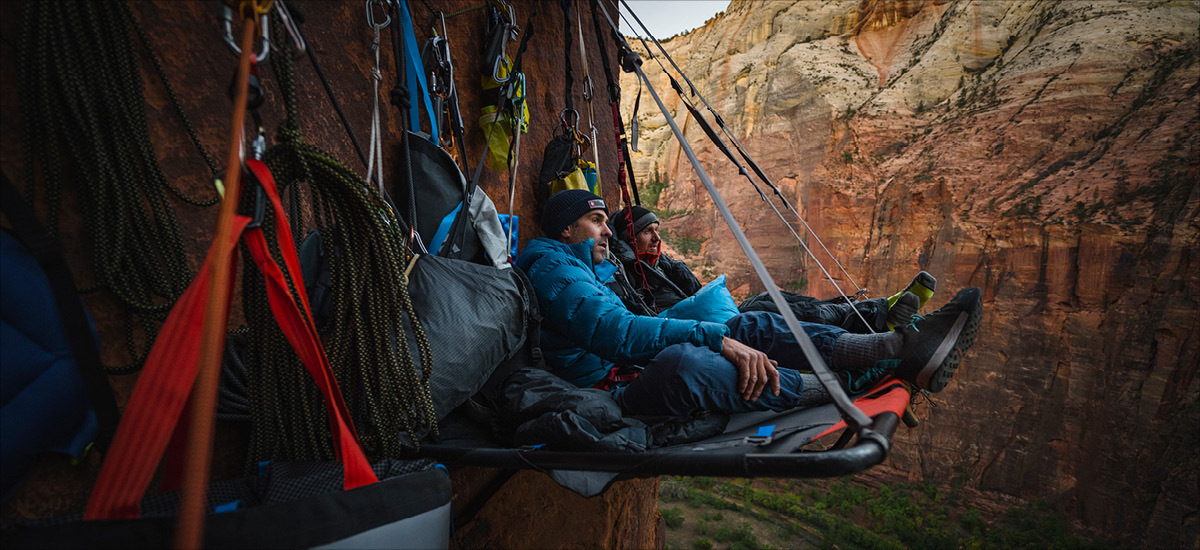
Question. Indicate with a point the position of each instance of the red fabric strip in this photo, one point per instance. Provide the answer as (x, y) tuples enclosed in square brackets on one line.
[(302, 334), (158, 400), (894, 400)]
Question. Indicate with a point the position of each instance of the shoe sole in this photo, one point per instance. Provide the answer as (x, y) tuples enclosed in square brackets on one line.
[(945, 360)]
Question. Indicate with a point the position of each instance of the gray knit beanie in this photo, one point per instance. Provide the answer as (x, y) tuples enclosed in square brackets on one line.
[(642, 218)]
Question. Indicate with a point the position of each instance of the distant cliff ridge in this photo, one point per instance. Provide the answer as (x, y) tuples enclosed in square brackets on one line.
[(1045, 151)]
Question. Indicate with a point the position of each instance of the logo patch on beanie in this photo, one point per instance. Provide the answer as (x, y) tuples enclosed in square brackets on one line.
[(596, 203)]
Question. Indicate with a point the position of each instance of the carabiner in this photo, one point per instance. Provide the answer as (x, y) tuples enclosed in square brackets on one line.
[(588, 90), (264, 44), (371, 16), (563, 116), (289, 23), (501, 62)]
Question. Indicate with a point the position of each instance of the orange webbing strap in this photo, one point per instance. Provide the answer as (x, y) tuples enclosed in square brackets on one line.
[(887, 395), (158, 399), (214, 321)]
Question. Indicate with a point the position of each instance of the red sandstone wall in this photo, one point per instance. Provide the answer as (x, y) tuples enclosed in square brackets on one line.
[(531, 511)]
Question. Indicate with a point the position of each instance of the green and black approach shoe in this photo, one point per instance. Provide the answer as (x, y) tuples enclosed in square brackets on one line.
[(934, 345)]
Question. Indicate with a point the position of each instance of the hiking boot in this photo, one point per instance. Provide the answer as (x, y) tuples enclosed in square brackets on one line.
[(922, 285), (934, 345), (857, 382), (902, 309)]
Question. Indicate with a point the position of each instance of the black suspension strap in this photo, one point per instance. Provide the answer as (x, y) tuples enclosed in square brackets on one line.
[(625, 177), (400, 99), (83, 118), (48, 253), (512, 101), (310, 51), (372, 321)]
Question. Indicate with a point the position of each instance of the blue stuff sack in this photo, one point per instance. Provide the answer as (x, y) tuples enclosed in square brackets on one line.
[(712, 303)]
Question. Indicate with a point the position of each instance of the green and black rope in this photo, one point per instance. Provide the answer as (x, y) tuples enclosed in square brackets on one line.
[(84, 123), (367, 337)]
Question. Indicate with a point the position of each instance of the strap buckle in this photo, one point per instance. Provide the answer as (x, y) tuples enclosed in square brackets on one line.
[(764, 436)]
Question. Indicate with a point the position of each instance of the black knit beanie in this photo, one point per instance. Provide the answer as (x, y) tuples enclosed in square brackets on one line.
[(641, 219), (562, 209)]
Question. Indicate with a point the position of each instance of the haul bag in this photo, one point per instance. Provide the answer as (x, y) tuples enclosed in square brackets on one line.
[(290, 505), (474, 316)]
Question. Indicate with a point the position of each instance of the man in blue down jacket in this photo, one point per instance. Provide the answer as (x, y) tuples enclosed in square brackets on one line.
[(588, 335)]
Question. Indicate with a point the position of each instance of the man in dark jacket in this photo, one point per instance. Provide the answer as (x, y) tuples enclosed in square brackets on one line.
[(694, 365), (648, 281)]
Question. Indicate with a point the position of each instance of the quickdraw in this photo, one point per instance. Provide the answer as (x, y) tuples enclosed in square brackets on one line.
[(374, 170), (440, 74)]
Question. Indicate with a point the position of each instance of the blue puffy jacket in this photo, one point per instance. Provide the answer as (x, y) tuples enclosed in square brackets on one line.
[(586, 328)]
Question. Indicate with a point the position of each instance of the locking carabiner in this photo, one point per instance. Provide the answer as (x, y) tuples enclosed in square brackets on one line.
[(264, 43)]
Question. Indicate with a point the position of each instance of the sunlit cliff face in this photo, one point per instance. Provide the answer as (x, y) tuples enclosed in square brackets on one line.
[(1045, 151), (876, 15)]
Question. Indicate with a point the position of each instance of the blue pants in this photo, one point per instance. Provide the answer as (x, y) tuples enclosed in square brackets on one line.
[(686, 377)]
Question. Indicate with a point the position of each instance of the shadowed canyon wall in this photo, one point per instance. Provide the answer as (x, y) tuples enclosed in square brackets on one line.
[(1045, 151), (529, 511)]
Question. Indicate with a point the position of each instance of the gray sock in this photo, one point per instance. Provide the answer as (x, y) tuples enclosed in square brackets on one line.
[(861, 351), (812, 393), (905, 307)]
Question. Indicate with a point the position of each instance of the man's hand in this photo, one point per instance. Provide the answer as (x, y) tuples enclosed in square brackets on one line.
[(755, 370)]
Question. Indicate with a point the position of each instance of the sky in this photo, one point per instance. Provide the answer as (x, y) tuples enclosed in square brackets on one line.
[(667, 18)]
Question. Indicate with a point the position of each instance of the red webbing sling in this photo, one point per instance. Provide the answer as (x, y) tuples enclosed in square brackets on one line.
[(155, 411), (888, 395)]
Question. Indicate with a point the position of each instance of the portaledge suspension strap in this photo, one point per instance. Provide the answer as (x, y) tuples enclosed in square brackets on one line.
[(860, 291), (627, 185), (720, 143)]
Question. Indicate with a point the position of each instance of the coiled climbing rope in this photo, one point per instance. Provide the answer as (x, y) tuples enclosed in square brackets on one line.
[(84, 123), (368, 336)]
